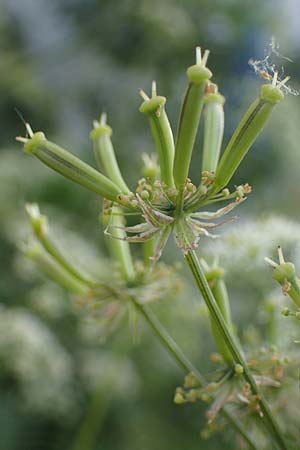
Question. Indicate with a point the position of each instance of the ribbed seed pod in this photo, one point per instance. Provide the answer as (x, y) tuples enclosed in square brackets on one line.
[(247, 131), (39, 224), (198, 76), (105, 154), (220, 293), (119, 248), (213, 130), (55, 271), (160, 126), (214, 276), (71, 167), (285, 274)]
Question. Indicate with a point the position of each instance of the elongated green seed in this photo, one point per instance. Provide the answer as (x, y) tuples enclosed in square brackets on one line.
[(55, 271), (214, 276), (213, 131), (39, 224), (71, 167), (220, 293), (246, 133), (285, 275), (198, 76), (160, 126), (105, 154), (119, 248)]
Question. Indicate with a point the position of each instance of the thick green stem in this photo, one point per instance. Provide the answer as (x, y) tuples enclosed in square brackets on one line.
[(178, 355), (217, 317)]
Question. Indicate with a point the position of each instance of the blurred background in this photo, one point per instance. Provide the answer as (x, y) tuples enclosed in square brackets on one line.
[(65, 384)]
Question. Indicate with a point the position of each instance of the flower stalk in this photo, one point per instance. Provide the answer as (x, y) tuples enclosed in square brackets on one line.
[(229, 340), (179, 356)]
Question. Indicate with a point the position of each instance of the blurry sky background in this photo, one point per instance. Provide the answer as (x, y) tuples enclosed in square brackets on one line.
[(62, 62)]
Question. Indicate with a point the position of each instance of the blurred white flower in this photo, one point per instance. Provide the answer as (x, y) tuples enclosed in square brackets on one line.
[(243, 248), (49, 302), (107, 372), (32, 355)]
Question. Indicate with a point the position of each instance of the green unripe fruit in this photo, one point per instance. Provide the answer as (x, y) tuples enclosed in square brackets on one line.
[(283, 272), (238, 369), (246, 133), (101, 130), (271, 93), (285, 312), (37, 139), (198, 76), (178, 397), (105, 154), (213, 131), (145, 195), (70, 166), (153, 105), (162, 135)]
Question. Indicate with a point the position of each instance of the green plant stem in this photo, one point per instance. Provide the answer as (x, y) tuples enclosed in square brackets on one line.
[(178, 355), (89, 429), (56, 271), (199, 276), (52, 249), (168, 342), (119, 249), (148, 248)]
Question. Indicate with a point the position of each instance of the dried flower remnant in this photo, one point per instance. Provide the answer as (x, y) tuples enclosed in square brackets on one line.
[(33, 355), (270, 67), (227, 386), (107, 300)]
